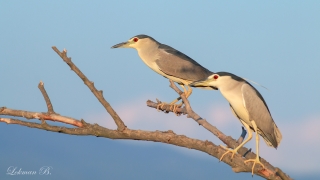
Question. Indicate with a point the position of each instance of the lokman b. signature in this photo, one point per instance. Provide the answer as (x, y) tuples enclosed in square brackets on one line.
[(44, 170)]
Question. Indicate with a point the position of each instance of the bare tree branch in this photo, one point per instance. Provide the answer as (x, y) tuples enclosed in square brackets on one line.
[(282, 174), (46, 98), (122, 132), (90, 84), (41, 116), (203, 122), (166, 107), (168, 137)]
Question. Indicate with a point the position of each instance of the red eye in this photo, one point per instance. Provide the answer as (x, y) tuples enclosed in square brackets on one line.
[(215, 77), (135, 39)]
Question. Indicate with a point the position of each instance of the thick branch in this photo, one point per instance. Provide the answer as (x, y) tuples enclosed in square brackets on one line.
[(121, 126), (282, 174), (168, 137)]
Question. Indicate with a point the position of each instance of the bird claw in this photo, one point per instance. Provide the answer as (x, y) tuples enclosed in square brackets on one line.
[(255, 161), (160, 106), (233, 151), (175, 108)]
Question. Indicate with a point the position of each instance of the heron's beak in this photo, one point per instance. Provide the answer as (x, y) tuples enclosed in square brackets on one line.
[(122, 45), (200, 83), (203, 83)]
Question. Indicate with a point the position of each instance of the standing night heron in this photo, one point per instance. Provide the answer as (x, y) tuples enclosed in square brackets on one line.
[(248, 106), (167, 61)]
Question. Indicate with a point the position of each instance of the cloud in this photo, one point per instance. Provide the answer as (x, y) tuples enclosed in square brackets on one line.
[(221, 116)]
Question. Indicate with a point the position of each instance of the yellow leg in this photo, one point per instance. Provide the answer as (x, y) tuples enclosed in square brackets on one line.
[(178, 99), (175, 106), (184, 89), (189, 91), (256, 160), (233, 151)]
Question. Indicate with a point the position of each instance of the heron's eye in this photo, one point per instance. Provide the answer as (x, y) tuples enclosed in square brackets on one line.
[(215, 77), (135, 39)]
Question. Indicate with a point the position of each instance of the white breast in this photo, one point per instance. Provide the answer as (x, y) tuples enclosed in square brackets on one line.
[(238, 104)]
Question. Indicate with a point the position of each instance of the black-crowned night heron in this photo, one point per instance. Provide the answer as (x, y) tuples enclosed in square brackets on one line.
[(248, 106), (167, 61)]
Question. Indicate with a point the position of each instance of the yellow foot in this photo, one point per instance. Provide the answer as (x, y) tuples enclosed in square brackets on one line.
[(233, 151), (255, 161), (175, 107), (172, 107), (160, 105)]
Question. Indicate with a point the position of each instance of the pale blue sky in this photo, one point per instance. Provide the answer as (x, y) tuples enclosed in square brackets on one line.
[(276, 44)]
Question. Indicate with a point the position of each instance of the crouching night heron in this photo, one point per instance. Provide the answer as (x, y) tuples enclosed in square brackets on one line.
[(167, 61), (248, 106)]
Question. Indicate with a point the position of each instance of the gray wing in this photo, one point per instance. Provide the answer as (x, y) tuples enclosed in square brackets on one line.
[(177, 64), (259, 112)]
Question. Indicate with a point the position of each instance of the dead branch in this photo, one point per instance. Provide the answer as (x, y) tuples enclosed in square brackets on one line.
[(40, 116), (168, 137), (46, 98), (122, 132), (120, 124)]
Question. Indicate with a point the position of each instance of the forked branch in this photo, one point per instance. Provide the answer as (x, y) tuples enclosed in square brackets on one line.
[(90, 84)]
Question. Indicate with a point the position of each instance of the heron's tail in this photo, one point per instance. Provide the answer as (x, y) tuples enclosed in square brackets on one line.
[(273, 139), (277, 134)]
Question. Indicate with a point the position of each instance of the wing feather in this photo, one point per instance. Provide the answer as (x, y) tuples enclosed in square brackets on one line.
[(259, 112), (177, 64)]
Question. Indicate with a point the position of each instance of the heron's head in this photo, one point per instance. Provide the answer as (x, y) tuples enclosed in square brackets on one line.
[(217, 80), (138, 42)]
